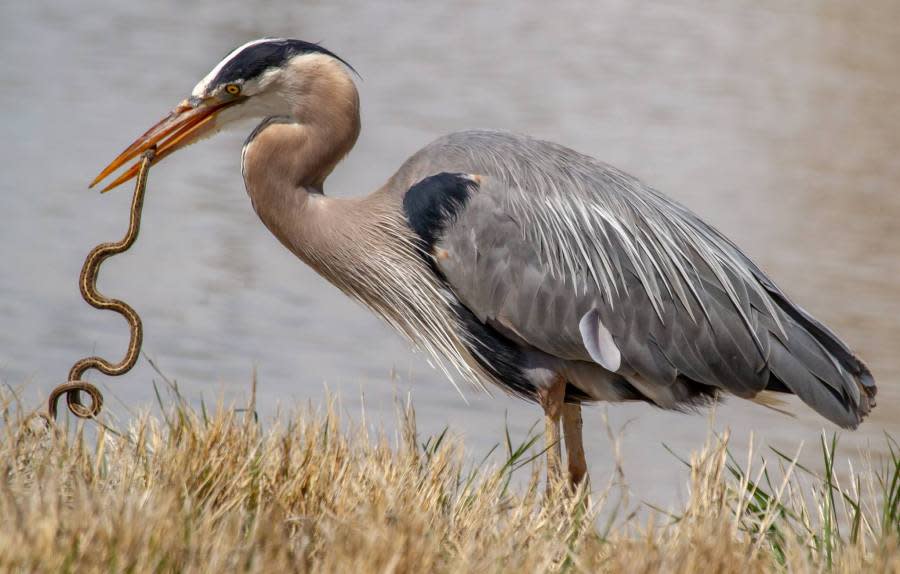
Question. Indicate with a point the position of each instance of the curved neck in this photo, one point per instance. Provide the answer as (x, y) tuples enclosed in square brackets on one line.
[(287, 158), (301, 149)]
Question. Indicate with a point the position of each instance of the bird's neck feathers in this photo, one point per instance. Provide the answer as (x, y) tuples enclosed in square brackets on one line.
[(287, 158), (326, 103), (313, 123), (284, 166)]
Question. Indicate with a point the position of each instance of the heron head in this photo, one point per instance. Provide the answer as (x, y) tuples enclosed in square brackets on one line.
[(262, 78)]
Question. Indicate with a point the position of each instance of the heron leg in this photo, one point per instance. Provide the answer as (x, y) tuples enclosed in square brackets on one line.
[(552, 402), (572, 433)]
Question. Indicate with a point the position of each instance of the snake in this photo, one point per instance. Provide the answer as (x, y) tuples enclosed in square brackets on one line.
[(87, 283)]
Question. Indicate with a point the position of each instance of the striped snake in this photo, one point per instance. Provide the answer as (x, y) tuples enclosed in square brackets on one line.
[(88, 284)]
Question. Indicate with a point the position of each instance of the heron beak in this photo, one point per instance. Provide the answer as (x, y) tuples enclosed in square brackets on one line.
[(185, 124)]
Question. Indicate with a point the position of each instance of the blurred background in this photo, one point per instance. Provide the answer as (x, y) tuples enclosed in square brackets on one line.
[(778, 123)]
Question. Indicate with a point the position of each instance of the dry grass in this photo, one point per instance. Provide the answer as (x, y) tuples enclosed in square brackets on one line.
[(221, 493)]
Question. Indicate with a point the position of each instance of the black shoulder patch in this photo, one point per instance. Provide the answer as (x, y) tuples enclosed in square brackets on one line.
[(257, 58), (431, 204)]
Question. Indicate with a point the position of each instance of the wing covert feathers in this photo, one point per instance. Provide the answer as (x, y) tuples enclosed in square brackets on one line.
[(552, 236)]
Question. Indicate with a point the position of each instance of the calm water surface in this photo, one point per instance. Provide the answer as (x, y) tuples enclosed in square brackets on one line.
[(778, 123)]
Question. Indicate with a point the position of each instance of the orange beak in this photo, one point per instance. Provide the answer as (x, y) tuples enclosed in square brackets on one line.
[(184, 125)]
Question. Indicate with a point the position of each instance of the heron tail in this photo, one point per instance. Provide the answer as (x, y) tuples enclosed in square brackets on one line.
[(812, 363)]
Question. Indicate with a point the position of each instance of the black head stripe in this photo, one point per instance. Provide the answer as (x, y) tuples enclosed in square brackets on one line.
[(256, 59)]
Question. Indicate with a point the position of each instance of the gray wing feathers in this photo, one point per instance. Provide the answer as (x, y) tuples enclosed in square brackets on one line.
[(552, 235)]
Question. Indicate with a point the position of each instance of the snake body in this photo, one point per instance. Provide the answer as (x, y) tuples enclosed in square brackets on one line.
[(88, 285)]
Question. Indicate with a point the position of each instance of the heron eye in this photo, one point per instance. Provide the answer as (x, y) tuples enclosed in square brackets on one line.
[(233, 89)]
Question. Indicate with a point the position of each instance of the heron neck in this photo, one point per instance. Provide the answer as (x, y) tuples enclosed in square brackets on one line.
[(330, 234), (302, 148), (286, 160), (330, 123)]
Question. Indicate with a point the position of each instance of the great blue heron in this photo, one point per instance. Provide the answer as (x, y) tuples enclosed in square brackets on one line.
[(514, 261)]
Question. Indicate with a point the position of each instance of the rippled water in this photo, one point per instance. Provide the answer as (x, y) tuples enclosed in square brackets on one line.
[(779, 123)]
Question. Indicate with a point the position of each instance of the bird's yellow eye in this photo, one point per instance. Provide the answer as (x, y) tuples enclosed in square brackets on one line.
[(233, 89)]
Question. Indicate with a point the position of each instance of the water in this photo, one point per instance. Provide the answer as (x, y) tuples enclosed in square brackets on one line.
[(778, 123)]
